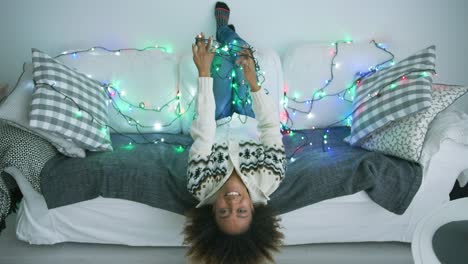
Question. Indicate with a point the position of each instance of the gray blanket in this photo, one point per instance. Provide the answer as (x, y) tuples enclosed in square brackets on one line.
[(155, 174)]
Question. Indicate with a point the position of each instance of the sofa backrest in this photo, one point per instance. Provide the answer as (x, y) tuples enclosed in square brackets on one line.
[(151, 78)]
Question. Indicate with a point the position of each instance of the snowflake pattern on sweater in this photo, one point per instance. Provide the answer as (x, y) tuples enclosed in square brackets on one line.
[(255, 161)]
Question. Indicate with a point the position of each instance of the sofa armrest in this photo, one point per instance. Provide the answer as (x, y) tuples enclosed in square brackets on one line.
[(448, 125)]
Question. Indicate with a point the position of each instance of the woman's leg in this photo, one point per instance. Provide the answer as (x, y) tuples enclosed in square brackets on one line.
[(220, 71), (240, 97)]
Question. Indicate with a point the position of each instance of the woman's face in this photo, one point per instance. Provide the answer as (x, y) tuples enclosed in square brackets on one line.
[(233, 207)]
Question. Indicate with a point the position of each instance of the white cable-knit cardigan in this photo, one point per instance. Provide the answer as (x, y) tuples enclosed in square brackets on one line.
[(217, 151)]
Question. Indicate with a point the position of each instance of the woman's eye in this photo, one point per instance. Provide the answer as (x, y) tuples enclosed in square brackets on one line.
[(222, 211), (241, 211)]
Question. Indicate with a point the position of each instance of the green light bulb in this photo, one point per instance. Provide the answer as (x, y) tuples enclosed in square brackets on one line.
[(179, 149), (166, 49), (130, 146)]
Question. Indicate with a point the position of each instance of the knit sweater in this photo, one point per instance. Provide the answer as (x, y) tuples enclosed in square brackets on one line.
[(218, 150)]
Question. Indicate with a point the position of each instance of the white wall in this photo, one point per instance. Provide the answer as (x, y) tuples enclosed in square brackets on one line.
[(408, 25)]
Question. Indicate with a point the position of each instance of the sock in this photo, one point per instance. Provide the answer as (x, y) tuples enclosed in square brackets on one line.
[(221, 14)]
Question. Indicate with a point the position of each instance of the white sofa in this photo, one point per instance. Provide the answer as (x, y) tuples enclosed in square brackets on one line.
[(156, 76)]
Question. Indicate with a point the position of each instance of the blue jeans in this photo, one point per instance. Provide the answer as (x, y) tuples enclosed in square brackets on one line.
[(230, 90)]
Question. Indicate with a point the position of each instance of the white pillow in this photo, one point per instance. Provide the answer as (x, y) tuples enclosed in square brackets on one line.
[(15, 111), (149, 77), (306, 69)]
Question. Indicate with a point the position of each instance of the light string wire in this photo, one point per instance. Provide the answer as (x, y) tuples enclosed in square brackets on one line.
[(112, 91), (74, 53)]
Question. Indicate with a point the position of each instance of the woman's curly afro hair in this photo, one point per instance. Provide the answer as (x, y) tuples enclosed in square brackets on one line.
[(209, 245)]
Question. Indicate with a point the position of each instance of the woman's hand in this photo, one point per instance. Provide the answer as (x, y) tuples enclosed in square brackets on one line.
[(202, 55), (247, 62)]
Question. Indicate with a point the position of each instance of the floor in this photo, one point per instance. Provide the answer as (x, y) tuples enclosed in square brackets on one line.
[(13, 251)]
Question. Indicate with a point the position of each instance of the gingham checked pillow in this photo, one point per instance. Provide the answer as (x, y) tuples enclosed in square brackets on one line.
[(68, 103), (393, 93)]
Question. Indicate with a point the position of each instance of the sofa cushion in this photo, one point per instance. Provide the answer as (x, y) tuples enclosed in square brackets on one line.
[(393, 93), (68, 103), (14, 110), (145, 86)]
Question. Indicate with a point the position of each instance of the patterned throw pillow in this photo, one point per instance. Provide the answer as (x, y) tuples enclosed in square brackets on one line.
[(68, 103), (404, 138), (393, 93)]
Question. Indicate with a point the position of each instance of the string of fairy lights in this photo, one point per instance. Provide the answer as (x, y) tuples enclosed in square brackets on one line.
[(226, 55)]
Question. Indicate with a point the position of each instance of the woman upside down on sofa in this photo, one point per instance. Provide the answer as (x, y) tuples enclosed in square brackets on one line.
[(232, 175)]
